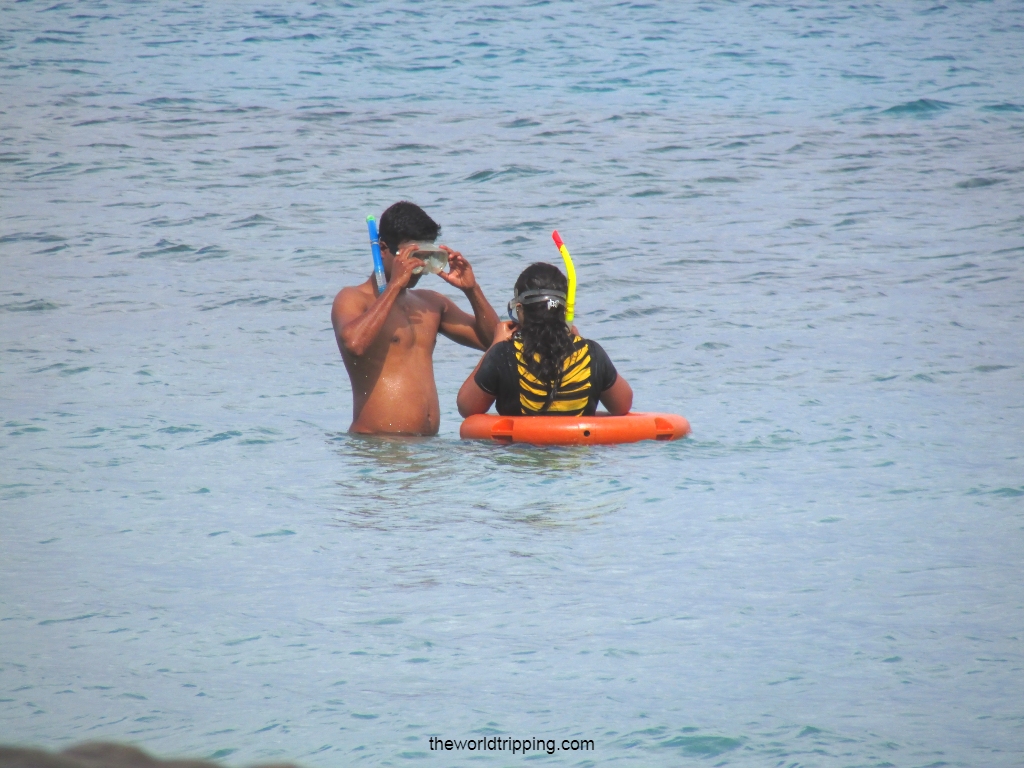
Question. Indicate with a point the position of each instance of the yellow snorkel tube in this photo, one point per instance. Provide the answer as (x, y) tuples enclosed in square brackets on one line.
[(570, 273)]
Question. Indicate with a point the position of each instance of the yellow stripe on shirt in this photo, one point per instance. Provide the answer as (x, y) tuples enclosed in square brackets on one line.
[(573, 394)]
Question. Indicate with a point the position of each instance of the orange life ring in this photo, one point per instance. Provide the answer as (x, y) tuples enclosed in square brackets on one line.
[(575, 430)]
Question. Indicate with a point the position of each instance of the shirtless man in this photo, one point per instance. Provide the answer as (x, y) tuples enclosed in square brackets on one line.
[(387, 341)]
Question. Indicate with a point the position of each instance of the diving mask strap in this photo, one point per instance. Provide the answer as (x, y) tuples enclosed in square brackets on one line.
[(536, 296)]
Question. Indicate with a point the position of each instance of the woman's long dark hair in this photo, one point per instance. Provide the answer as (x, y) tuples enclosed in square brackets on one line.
[(543, 331)]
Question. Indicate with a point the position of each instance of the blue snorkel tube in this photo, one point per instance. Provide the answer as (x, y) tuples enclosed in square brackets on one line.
[(378, 262)]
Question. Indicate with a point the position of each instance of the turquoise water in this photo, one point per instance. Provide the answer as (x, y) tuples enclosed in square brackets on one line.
[(797, 224)]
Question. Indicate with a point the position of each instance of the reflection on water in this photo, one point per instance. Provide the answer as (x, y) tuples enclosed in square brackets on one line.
[(390, 481), (419, 454)]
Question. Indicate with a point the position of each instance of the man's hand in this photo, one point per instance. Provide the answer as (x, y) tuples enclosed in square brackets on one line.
[(459, 274), (503, 331), (403, 265)]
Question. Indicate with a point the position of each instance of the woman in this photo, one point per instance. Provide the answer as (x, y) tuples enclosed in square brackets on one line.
[(537, 365)]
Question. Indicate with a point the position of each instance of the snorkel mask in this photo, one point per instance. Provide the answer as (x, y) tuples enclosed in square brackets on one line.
[(435, 259), (535, 296)]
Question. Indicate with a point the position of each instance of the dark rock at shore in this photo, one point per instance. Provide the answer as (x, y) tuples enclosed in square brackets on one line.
[(98, 755)]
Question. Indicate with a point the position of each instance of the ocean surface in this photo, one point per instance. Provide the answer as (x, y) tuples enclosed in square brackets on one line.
[(800, 225)]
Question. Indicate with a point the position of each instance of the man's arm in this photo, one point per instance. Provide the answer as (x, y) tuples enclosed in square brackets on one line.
[(476, 331), (356, 324)]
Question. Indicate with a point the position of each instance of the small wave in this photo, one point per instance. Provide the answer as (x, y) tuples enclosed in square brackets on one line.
[(702, 746), (166, 101), (592, 88), (56, 170), (256, 220), (977, 182), (521, 122), (83, 617), (188, 136), (919, 107), (801, 146), (412, 148), (163, 221), (319, 117), (991, 368), (219, 437), (37, 305), (509, 172), (1004, 108), (59, 40), (523, 225), (166, 248), (630, 313), (890, 136), (553, 134), (1008, 492), (210, 252)]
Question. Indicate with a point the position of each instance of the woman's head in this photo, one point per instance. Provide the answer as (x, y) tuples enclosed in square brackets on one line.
[(534, 281), (547, 341)]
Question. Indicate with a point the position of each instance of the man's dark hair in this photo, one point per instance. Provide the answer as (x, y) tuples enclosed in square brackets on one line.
[(405, 221)]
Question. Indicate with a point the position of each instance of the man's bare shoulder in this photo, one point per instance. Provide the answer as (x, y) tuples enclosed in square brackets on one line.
[(354, 294), (437, 301), (362, 290), (351, 301)]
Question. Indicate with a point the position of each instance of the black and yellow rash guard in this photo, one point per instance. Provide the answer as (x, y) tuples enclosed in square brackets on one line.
[(587, 373)]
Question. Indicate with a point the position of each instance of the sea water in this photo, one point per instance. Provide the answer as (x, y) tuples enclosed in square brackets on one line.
[(798, 224)]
